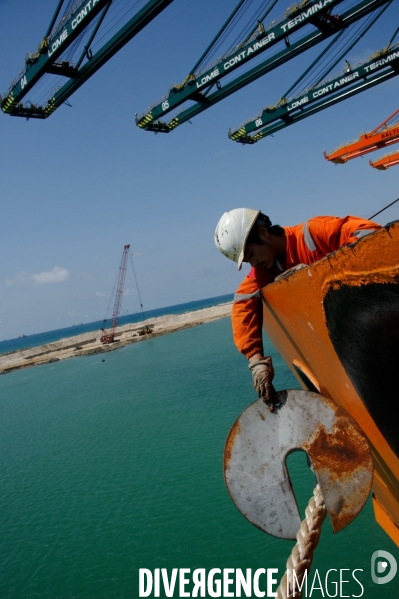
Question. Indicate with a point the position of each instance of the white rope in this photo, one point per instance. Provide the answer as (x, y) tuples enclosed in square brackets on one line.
[(301, 556)]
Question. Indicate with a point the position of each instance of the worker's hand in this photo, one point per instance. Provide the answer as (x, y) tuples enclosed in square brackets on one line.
[(262, 376)]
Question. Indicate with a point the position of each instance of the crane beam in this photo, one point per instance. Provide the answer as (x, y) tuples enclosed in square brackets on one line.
[(375, 70), (50, 49), (296, 18), (381, 137), (124, 35), (386, 161), (197, 87), (77, 76)]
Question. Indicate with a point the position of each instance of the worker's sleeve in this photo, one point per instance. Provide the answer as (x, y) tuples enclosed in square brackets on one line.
[(331, 232), (247, 313)]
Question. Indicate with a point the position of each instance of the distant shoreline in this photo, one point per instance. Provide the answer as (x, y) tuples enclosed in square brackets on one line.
[(87, 344), (32, 340)]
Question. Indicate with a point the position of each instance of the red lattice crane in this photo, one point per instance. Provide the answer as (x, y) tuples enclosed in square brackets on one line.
[(382, 136), (386, 161), (110, 337)]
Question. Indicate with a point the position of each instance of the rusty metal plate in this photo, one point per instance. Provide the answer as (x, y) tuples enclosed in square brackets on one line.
[(257, 447)]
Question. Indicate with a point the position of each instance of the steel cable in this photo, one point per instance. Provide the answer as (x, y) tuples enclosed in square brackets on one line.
[(366, 26), (382, 210), (329, 63)]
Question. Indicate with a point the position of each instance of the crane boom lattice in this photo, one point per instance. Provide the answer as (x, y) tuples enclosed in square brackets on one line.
[(110, 337)]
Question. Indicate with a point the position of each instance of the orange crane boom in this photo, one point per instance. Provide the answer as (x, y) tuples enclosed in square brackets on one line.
[(386, 161), (381, 137)]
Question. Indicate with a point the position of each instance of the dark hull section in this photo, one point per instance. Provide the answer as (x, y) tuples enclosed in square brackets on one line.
[(363, 323)]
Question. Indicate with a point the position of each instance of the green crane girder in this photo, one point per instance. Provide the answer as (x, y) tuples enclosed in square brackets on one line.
[(316, 12), (45, 59), (296, 17), (378, 68)]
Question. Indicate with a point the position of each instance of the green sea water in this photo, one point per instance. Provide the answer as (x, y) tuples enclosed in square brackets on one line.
[(109, 467)]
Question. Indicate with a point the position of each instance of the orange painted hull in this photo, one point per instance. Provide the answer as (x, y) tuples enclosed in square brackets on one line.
[(336, 324)]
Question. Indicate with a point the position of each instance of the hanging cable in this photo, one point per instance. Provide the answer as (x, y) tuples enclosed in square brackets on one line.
[(245, 33), (393, 37), (392, 121), (87, 52), (55, 16), (322, 74), (263, 17), (238, 17), (113, 19), (68, 9), (326, 49), (217, 36), (363, 32), (111, 297), (379, 212), (137, 285)]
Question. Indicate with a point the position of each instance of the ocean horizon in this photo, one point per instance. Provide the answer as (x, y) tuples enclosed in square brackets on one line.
[(28, 341)]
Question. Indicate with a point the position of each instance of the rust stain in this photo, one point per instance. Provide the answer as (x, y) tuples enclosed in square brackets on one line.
[(340, 458), (344, 518), (234, 431), (341, 451), (356, 279)]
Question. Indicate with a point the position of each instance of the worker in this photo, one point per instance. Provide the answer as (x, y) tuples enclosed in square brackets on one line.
[(247, 235)]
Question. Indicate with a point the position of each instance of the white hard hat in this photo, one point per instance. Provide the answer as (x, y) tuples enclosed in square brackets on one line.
[(232, 232)]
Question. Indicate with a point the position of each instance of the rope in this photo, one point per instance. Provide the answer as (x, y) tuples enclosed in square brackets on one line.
[(382, 210), (301, 556)]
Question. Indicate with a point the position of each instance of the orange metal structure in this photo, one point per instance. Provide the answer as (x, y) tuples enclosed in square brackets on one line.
[(386, 161), (381, 137), (336, 325)]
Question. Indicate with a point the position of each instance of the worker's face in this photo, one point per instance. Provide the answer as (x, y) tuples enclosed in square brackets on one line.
[(264, 254)]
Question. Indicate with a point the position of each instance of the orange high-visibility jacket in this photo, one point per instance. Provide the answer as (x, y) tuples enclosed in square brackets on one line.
[(305, 243)]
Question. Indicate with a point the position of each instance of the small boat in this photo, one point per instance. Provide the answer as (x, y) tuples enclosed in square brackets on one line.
[(336, 324)]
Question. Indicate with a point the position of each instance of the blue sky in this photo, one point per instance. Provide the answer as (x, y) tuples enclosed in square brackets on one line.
[(81, 184)]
